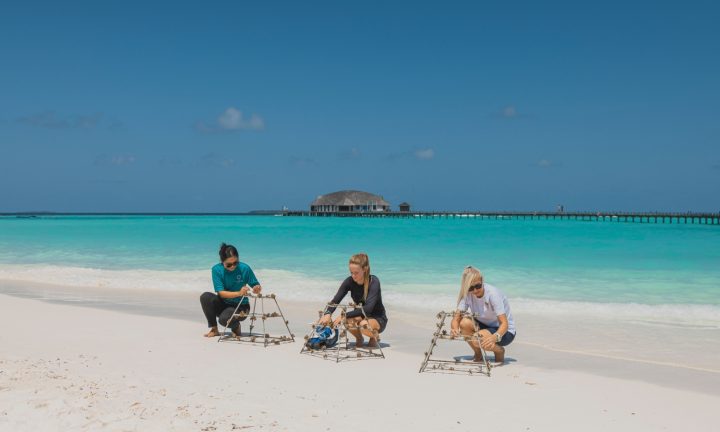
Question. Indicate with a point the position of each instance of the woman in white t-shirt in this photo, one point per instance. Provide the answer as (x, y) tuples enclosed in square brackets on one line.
[(492, 315)]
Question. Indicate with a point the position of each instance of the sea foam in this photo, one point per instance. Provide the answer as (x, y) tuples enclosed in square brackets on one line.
[(300, 287)]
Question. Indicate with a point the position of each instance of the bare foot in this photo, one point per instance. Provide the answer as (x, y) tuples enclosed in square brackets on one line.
[(359, 341), (373, 343), (212, 333), (478, 358)]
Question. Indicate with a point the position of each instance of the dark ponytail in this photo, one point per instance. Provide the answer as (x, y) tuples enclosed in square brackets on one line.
[(227, 251)]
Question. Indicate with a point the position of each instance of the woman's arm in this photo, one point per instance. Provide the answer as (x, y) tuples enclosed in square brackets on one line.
[(503, 325), (341, 293), (455, 323), (489, 343), (233, 294), (253, 282), (457, 317)]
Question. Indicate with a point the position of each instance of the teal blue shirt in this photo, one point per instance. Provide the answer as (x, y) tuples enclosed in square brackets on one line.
[(226, 280)]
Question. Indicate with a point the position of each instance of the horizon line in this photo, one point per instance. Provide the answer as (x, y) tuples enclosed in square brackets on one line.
[(280, 211)]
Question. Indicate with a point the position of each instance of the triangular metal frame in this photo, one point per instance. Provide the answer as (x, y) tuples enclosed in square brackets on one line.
[(454, 366), (343, 350), (255, 337)]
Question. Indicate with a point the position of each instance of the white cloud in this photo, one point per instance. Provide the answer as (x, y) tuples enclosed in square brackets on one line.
[(425, 154), (509, 112), (232, 119), (420, 154)]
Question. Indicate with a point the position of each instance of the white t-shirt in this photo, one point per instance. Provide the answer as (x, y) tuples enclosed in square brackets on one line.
[(488, 307)]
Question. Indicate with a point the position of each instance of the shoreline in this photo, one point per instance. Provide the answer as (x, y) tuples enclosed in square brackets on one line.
[(95, 369), (703, 312), (582, 348)]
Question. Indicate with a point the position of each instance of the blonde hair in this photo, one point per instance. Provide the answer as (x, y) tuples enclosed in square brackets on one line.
[(470, 277), (363, 261)]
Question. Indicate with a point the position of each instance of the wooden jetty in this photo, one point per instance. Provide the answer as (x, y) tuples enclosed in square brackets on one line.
[(646, 217), (651, 217)]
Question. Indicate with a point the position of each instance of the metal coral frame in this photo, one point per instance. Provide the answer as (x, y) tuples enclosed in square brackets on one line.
[(343, 350), (264, 338), (454, 366)]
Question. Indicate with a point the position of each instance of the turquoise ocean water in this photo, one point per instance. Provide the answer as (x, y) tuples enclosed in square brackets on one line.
[(656, 271)]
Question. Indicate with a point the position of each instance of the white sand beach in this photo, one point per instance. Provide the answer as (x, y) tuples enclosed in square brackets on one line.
[(106, 364)]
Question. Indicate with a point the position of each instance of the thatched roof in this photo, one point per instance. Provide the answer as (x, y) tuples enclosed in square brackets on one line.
[(349, 198)]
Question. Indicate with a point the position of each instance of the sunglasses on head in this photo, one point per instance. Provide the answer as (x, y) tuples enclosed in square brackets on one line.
[(474, 287)]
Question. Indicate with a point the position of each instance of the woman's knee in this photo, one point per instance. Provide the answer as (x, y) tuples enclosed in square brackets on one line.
[(467, 326), (370, 327), (364, 327), (354, 321), (225, 315), (207, 297)]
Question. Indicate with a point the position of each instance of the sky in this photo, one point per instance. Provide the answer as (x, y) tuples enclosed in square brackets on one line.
[(232, 106)]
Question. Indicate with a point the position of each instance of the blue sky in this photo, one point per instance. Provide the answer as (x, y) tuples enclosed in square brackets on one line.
[(235, 106)]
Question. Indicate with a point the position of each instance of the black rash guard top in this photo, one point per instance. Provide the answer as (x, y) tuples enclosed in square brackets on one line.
[(372, 306)]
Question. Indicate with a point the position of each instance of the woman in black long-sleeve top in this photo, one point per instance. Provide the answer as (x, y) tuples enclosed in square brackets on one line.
[(364, 289)]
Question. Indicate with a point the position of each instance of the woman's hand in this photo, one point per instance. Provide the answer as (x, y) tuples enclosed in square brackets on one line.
[(243, 291), (488, 342), (455, 324), (257, 289), (337, 321), (325, 320)]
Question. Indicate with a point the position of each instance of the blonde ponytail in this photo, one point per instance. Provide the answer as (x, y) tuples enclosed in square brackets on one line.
[(363, 261)]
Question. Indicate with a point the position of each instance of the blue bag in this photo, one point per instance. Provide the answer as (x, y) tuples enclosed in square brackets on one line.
[(322, 336)]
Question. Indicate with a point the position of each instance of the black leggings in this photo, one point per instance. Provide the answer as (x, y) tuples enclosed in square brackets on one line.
[(215, 309)]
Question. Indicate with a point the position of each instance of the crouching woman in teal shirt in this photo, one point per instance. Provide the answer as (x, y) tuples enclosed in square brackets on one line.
[(232, 280)]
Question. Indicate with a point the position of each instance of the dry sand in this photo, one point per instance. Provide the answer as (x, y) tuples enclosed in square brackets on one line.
[(65, 368)]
